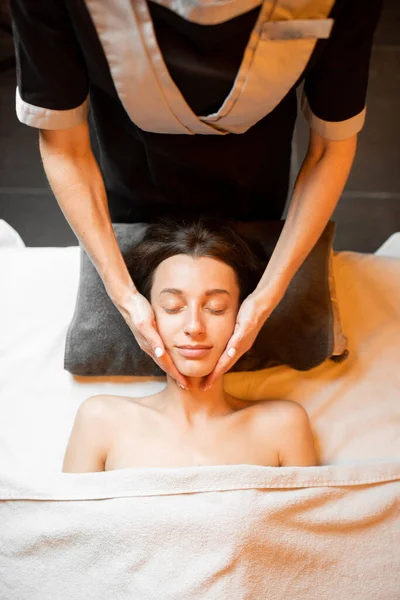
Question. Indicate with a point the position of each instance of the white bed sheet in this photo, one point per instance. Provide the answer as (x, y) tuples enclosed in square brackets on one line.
[(354, 407)]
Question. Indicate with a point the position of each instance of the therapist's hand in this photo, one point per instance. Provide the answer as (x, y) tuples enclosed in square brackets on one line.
[(253, 313), (139, 316)]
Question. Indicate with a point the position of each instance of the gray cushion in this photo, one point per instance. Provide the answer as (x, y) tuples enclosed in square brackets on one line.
[(299, 333)]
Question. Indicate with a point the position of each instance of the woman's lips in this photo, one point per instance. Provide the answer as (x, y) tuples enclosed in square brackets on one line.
[(193, 351)]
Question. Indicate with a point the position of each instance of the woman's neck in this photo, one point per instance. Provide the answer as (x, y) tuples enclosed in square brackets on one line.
[(193, 406)]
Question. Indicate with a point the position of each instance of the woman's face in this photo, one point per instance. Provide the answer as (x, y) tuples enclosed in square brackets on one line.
[(195, 302)]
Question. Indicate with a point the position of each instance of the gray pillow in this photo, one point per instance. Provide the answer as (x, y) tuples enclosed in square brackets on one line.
[(302, 332)]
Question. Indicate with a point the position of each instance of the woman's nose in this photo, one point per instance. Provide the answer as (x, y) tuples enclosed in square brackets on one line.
[(194, 324)]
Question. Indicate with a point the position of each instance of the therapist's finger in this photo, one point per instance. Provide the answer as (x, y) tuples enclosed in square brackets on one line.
[(231, 354), (139, 316), (249, 320), (164, 360), (155, 348), (168, 366)]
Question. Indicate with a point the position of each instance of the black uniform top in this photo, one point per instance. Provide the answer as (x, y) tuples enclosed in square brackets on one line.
[(60, 61)]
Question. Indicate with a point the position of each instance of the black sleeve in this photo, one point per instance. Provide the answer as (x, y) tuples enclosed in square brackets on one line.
[(52, 82), (335, 89)]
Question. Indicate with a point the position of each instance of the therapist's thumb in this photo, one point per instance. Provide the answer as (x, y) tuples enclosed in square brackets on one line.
[(140, 318), (154, 342), (158, 350)]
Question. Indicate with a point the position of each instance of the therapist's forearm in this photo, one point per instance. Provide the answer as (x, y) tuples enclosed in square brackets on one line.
[(77, 183), (317, 190)]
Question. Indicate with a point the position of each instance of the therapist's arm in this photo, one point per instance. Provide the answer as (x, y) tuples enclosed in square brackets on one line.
[(319, 185), (316, 193), (77, 183), (78, 186)]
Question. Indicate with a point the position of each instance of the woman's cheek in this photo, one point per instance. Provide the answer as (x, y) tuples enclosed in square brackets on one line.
[(223, 330), (163, 326)]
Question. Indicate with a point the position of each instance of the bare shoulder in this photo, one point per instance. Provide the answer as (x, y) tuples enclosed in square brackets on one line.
[(288, 426), (97, 406), (106, 406), (284, 415), (281, 411), (100, 409), (89, 439)]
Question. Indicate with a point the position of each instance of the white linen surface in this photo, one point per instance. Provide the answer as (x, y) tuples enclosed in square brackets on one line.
[(354, 407), (9, 237), (303, 532)]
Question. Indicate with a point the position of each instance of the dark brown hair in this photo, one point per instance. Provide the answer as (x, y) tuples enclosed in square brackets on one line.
[(203, 237)]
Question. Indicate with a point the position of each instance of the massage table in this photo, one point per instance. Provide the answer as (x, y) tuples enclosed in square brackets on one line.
[(231, 531)]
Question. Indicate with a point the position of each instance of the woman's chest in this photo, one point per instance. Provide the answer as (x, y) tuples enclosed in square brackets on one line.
[(147, 444)]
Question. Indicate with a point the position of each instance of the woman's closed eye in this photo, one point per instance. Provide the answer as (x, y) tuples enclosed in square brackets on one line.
[(212, 310)]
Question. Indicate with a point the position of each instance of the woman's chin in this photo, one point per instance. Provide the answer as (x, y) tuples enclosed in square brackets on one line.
[(195, 368), (195, 371)]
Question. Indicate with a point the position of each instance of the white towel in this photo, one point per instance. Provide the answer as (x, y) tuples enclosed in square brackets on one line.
[(203, 533)]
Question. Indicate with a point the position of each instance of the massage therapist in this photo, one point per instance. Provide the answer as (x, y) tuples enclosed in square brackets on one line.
[(161, 108)]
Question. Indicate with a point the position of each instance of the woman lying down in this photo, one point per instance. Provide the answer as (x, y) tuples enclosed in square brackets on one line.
[(196, 277)]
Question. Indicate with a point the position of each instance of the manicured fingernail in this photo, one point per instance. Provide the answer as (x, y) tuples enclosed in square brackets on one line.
[(231, 352), (158, 352), (181, 386)]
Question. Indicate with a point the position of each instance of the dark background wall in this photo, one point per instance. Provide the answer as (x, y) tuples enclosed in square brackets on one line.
[(367, 213)]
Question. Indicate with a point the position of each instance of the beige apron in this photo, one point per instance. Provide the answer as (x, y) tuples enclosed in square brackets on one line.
[(279, 48)]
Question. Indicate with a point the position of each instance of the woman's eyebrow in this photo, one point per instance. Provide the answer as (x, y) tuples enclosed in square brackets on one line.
[(181, 293)]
